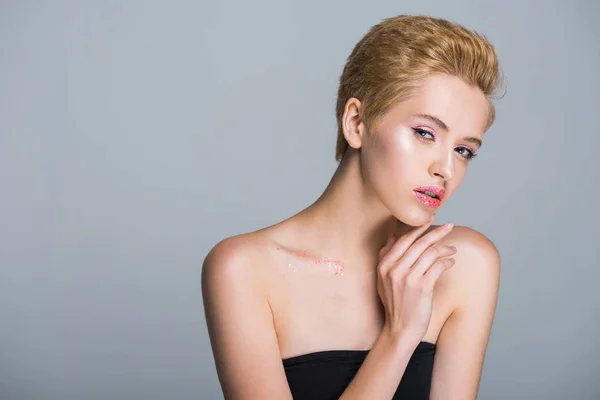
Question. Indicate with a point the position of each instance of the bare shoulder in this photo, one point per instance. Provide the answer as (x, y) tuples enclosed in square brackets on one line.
[(239, 319), (463, 339), (476, 273), (233, 259), (228, 253), (475, 247)]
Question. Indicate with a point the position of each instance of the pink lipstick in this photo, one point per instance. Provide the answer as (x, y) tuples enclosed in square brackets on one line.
[(431, 196)]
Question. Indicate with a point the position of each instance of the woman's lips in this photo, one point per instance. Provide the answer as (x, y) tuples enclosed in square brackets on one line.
[(430, 201)]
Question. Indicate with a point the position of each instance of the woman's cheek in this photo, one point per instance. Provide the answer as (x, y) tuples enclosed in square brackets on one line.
[(402, 150)]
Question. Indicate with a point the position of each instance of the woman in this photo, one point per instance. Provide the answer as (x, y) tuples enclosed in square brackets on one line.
[(359, 296)]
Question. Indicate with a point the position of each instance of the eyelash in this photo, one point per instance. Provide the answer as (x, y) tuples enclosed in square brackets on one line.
[(419, 132)]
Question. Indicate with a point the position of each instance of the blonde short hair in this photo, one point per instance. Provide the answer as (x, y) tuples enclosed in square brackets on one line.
[(388, 63)]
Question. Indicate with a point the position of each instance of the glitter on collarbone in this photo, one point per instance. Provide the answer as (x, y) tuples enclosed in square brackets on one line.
[(334, 267)]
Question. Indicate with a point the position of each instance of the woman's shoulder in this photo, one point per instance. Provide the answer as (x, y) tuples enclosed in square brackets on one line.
[(236, 258), (472, 243), (476, 272)]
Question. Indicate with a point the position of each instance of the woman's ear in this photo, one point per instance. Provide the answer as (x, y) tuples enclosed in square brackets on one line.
[(352, 124)]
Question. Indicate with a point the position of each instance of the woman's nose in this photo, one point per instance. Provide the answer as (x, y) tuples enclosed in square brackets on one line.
[(443, 167)]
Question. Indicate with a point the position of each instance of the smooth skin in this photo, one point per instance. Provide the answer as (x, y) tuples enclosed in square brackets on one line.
[(400, 285)]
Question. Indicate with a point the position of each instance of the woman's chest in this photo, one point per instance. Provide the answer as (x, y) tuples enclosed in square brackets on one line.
[(319, 314)]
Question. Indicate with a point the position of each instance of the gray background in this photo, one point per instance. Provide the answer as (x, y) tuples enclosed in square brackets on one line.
[(135, 135)]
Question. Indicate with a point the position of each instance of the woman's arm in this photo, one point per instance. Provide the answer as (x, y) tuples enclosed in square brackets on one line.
[(462, 343), (381, 372), (407, 272), (240, 325)]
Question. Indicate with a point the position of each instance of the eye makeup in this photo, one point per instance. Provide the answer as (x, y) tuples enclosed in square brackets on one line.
[(422, 133), (429, 135), (334, 267), (471, 154)]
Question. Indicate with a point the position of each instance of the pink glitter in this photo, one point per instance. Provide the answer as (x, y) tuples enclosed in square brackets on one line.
[(334, 267), (428, 201)]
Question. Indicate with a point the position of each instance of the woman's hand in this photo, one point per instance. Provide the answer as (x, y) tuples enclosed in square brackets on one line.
[(408, 269)]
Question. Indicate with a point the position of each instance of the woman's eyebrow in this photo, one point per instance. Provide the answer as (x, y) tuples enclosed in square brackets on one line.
[(434, 120), (473, 140)]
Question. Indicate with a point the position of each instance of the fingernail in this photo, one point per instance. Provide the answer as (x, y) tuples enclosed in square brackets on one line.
[(447, 226), (452, 247)]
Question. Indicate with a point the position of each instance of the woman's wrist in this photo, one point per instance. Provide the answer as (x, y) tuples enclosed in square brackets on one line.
[(384, 366), (400, 338)]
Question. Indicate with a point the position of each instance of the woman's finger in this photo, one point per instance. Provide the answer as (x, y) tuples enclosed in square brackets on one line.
[(405, 241), (388, 245), (429, 257), (432, 275), (411, 255)]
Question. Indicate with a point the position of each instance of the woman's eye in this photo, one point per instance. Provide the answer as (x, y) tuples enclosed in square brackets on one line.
[(423, 133), (466, 153)]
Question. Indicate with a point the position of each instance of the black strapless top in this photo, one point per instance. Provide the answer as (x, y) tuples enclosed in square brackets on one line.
[(325, 375)]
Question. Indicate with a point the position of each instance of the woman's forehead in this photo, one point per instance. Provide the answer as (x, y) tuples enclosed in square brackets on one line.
[(457, 105)]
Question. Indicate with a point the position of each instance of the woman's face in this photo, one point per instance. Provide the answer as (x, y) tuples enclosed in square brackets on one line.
[(424, 144)]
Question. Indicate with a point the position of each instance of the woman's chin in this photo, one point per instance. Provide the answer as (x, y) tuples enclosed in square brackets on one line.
[(416, 218)]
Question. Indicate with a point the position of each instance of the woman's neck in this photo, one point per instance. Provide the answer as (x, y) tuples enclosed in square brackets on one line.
[(348, 220)]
